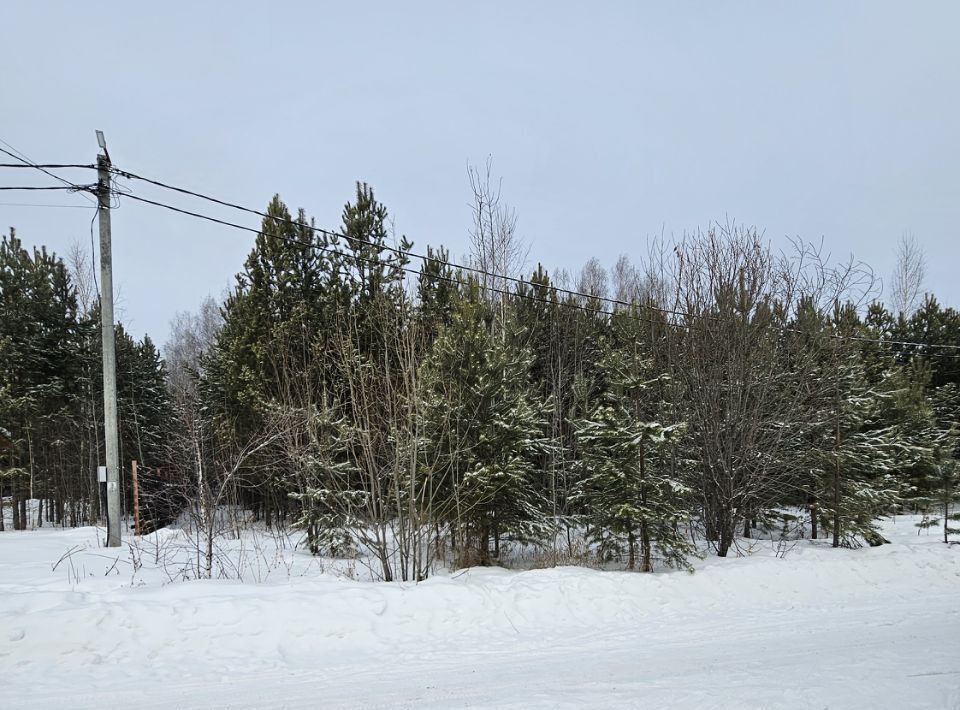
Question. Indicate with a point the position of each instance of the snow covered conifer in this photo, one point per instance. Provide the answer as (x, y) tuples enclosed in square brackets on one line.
[(484, 429), (332, 504), (855, 454), (946, 470), (627, 486)]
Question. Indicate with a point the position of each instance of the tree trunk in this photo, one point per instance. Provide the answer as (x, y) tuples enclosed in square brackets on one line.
[(947, 495), (23, 513), (209, 550), (726, 534), (484, 544), (836, 487), (709, 525), (814, 513), (645, 564), (15, 500)]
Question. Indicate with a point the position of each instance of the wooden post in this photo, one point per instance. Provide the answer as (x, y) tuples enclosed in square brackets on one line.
[(136, 501)]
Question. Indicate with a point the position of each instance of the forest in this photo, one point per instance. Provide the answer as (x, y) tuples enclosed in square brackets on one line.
[(382, 401)]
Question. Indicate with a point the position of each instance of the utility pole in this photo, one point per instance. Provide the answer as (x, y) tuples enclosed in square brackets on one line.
[(111, 436)]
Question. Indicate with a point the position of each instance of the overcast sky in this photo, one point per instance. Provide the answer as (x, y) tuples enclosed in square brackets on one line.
[(609, 122)]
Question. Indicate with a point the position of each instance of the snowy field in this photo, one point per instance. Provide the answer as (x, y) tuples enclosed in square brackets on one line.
[(818, 628)]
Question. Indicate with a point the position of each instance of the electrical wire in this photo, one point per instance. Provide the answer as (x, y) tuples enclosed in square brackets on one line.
[(331, 250), (74, 188), (471, 269), (26, 162), (93, 251), (116, 191), (19, 155), (54, 166), (528, 296), (395, 250), (43, 204)]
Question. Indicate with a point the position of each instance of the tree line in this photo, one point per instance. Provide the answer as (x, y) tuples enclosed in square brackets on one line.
[(424, 411)]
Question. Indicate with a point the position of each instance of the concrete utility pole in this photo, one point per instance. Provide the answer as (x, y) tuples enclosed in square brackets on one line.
[(111, 436)]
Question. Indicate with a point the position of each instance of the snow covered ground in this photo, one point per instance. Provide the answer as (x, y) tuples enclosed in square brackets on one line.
[(819, 628)]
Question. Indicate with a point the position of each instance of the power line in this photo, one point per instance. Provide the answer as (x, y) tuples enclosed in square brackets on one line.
[(54, 166), (27, 162), (475, 270), (331, 250), (75, 188), (93, 250), (404, 253), (42, 204), (19, 155), (395, 250), (514, 294), (399, 252)]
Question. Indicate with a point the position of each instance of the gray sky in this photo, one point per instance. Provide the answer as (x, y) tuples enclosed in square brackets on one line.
[(609, 122)]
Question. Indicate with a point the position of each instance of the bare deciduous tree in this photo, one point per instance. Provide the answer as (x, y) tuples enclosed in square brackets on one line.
[(495, 247), (364, 482), (729, 354), (908, 276), (593, 279), (204, 472), (81, 267), (626, 280)]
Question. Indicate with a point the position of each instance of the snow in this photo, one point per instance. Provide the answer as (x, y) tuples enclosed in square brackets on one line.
[(817, 628)]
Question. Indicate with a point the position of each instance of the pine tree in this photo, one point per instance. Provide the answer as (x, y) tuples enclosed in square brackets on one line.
[(483, 427), (925, 409), (567, 344), (39, 339), (629, 488), (278, 329), (437, 291), (856, 457), (374, 274), (332, 505), (945, 478), (933, 325)]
